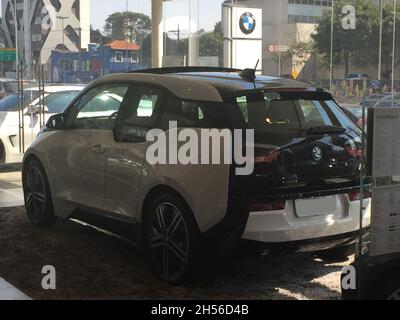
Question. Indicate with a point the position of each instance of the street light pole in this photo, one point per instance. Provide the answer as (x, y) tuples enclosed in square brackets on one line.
[(63, 31), (394, 47), (331, 58), (380, 40)]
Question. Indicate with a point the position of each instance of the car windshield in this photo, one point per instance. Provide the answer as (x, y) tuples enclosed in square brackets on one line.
[(10, 103), (292, 114), (58, 101)]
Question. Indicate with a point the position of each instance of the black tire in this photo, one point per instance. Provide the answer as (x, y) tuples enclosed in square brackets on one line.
[(37, 195), (390, 290), (337, 254), (172, 239)]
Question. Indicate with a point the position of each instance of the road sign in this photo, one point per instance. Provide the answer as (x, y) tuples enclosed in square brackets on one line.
[(274, 48), (295, 74), (7, 55)]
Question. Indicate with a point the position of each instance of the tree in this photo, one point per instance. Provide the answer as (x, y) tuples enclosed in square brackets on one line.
[(97, 37), (347, 43), (211, 43), (130, 26), (358, 46)]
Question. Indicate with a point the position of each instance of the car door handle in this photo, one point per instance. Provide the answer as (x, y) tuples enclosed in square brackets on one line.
[(98, 149)]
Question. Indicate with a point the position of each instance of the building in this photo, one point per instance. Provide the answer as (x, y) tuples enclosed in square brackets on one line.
[(285, 23), (45, 25), (85, 66)]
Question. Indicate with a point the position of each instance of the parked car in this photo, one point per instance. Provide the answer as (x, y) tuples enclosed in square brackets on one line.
[(375, 276), (7, 87), (355, 113), (388, 101), (356, 76), (56, 98), (89, 163)]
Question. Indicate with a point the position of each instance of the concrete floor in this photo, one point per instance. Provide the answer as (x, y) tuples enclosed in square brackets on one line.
[(11, 194), (92, 265)]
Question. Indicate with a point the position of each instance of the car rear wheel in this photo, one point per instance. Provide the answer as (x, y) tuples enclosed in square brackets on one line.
[(172, 239), (388, 290), (38, 203)]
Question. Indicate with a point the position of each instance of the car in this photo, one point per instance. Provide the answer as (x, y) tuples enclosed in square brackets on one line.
[(7, 87), (356, 76), (91, 163), (388, 101), (375, 279), (355, 113), (374, 276), (56, 98)]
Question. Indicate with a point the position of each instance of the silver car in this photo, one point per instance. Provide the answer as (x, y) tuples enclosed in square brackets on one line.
[(90, 164)]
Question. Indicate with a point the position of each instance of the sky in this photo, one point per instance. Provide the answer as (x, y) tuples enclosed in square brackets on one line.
[(176, 11)]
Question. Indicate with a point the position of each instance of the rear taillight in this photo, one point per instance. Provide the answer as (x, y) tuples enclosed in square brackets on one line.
[(269, 158), (356, 196), (273, 205), (354, 151)]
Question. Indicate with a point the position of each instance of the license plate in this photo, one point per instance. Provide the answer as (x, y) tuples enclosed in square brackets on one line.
[(317, 206)]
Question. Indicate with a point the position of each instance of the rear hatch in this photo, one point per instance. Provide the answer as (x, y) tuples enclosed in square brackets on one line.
[(304, 143)]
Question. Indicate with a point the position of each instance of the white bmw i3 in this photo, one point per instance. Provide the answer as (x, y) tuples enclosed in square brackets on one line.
[(90, 163)]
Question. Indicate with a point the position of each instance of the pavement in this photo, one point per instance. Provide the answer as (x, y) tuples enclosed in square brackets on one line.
[(11, 195)]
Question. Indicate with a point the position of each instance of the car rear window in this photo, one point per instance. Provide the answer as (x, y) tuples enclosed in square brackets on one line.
[(290, 114)]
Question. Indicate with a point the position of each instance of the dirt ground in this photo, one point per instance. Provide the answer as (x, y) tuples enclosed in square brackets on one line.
[(94, 265)]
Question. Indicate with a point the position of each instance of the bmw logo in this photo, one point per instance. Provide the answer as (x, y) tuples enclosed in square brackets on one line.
[(316, 153), (247, 23)]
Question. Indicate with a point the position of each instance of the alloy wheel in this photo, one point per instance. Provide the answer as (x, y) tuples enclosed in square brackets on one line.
[(169, 240), (35, 194)]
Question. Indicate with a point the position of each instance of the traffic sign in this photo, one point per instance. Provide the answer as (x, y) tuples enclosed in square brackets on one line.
[(7, 55)]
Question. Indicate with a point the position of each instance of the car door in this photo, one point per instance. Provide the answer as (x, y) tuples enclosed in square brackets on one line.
[(139, 114), (80, 157)]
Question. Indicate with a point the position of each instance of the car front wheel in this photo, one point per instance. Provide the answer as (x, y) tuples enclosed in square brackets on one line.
[(172, 239), (38, 203)]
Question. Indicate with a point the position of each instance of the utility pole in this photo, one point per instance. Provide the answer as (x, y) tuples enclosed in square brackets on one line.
[(63, 29), (380, 40)]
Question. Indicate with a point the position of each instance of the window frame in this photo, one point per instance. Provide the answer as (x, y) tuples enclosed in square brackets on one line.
[(159, 107)]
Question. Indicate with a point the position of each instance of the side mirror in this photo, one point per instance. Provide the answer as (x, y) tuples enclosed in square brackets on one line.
[(56, 122)]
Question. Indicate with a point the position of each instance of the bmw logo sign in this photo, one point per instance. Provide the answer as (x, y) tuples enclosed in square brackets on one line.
[(316, 153), (247, 23)]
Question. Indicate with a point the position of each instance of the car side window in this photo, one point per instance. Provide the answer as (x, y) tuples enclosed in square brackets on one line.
[(138, 114), (193, 114), (98, 109)]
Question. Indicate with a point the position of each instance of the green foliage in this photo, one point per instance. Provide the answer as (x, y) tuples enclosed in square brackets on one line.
[(359, 46), (131, 26)]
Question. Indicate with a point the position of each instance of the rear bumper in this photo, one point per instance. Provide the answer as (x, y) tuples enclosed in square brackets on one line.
[(284, 226)]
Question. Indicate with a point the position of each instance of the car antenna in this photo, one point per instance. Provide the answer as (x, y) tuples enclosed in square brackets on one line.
[(250, 74)]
